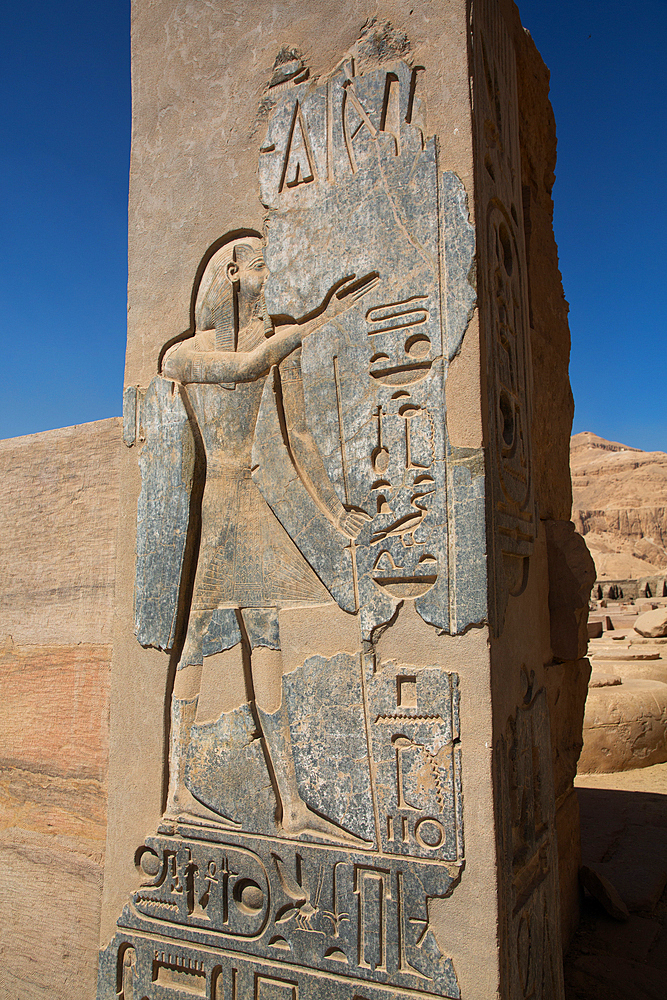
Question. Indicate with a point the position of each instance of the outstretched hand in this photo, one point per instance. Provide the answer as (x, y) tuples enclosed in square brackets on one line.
[(351, 522), (341, 297), (347, 292)]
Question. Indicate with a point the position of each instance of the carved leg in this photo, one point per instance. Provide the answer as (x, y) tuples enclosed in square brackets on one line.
[(296, 817), (181, 803)]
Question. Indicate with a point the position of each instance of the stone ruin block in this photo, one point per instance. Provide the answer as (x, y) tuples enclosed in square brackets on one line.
[(331, 754)]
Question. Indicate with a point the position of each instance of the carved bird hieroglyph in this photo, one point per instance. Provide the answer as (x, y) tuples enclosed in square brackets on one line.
[(406, 525), (301, 905)]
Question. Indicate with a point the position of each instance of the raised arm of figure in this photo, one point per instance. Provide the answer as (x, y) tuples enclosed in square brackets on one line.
[(187, 363)]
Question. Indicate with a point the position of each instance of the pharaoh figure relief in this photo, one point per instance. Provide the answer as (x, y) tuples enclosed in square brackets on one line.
[(248, 565), (321, 445)]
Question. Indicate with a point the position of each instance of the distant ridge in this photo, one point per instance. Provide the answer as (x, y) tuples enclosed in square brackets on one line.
[(586, 439), (619, 504)]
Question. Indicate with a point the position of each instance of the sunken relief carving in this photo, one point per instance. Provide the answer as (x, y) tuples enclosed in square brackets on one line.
[(532, 947), (248, 567), (504, 313)]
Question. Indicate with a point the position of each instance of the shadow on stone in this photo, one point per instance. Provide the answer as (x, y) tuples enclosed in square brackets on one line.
[(624, 839)]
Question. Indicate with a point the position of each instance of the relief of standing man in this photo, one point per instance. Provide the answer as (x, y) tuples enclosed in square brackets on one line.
[(247, 561)]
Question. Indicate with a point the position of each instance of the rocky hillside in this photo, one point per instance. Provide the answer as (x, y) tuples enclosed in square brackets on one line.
[(619, 504)]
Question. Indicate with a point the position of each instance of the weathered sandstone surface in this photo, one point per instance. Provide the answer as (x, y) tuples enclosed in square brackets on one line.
[(58, 514), (58, 500), (619, 504), (652, 624)]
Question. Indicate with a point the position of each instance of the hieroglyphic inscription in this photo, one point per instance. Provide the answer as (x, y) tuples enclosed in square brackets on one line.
[(272, 988), (373, 383), (126, 967), (532, 954), (504, 305), (360, 917), (417, 760)]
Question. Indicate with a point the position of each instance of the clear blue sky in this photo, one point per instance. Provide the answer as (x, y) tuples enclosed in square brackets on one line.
[(66, 131)]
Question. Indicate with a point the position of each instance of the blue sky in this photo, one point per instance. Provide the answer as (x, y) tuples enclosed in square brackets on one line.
[(65, 119), (607, 63)]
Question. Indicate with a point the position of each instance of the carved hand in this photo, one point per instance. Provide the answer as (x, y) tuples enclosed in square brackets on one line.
[(344, 294), (347, 292), (351, 522)]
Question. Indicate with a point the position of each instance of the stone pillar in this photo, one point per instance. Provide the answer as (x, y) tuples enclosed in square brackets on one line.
[(331, 758)]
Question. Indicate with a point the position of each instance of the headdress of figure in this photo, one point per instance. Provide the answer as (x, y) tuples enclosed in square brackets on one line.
[(216, 306)]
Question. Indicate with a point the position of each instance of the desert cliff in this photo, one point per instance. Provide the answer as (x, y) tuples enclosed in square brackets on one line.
[(619, 504)]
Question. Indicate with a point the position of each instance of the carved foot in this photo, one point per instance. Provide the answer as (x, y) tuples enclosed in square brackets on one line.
[(299, 820), (183, 807)]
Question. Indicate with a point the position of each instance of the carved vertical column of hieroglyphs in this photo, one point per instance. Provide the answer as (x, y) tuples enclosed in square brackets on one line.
[(503, 299), (531, 952), (530, 913)]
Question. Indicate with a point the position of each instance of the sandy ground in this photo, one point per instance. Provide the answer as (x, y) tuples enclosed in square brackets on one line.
[(624, 838)]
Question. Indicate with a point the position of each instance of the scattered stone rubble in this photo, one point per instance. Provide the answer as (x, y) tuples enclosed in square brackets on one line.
[(620, 947), (625, 724)]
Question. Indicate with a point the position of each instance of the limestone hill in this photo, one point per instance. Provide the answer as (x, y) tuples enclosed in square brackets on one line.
[(619, 504)]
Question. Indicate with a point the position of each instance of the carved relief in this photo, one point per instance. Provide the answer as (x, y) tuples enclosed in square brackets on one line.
[(285, 908), (533, 958), (417, 760), (375, 380), (297, 434), (248, 566), (504, 306), (323, 469), (126, 964)]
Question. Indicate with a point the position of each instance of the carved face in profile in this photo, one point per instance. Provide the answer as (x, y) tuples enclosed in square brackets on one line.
[(236, 271), (248, 274)]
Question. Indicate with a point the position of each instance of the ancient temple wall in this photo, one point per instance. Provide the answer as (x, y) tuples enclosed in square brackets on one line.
[(58, 521)]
